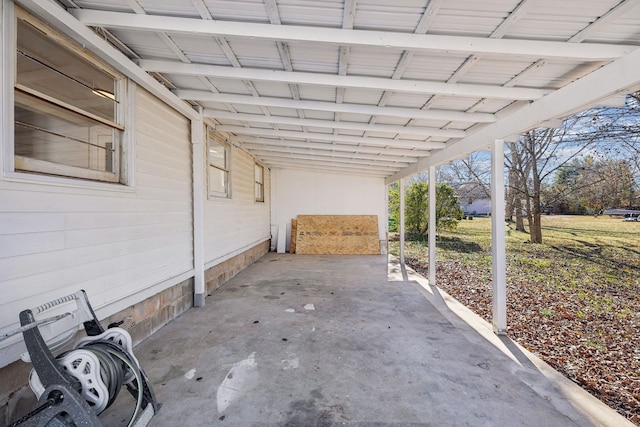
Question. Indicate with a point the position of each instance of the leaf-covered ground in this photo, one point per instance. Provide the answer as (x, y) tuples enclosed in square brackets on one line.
[(572, 300)]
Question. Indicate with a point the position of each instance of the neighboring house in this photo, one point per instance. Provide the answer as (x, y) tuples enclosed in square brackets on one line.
[(479, 207)]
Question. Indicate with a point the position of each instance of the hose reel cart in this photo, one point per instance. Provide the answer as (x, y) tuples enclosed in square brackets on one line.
[(79, 384)]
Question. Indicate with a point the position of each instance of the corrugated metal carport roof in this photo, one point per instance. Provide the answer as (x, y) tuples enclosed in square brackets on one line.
[(371, 86)]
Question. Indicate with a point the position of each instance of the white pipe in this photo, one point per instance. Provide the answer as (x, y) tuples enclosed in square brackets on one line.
[(401, 225), (198, 145), (432, 225), (498, 246)]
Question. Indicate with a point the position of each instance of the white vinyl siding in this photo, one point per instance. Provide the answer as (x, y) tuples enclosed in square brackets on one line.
[(234, 224), (118, 245)]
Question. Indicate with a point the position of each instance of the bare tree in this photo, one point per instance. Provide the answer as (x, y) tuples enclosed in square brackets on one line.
[(470, 177), (620, 133), (610, 134), (536, 156), (515, 190), (589, 185)]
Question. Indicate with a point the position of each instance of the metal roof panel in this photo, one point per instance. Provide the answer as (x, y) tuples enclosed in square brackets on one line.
[(366, 60)]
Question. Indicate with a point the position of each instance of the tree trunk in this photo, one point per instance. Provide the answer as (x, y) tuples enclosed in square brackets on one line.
[(510, 204), (535, 227), (529, 214), (516, 184), (519, 215)]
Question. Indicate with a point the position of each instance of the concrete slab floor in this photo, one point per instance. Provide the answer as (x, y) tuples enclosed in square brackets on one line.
[(305, 340)]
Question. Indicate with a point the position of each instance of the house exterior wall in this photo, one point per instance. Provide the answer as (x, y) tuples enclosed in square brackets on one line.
[(299, 192), (129, 247), (233, 225), (121, 244)]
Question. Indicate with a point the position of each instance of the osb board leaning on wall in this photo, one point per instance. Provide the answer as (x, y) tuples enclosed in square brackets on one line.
[(337, 234), (294, 232)]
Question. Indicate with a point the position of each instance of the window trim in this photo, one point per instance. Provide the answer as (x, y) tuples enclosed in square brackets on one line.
[(259, 199), (213, 137), (27, 169)]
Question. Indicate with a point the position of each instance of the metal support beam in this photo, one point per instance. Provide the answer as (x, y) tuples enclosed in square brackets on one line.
[(377, 164), (331, 124), (258, 149), (498, 250), (360, 82), (401, 225), (253, 142), (403, 112), (348, 37), (322, 167), (317, 136), (432, 225), (198, 147)]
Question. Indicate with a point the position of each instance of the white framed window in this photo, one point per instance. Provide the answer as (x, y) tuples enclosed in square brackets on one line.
[(259, 178), (219, 170), (68, 109)]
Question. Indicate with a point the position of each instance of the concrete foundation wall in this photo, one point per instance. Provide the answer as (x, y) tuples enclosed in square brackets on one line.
[(141, 320), (217, 275)]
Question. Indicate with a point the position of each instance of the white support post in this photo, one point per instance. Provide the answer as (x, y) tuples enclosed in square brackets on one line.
[(197, 144), (498, 244), (432, 225), (401, 225)]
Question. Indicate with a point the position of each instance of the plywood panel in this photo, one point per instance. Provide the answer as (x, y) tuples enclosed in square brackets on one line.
[(337, 234), (294, 231), (304, 192)]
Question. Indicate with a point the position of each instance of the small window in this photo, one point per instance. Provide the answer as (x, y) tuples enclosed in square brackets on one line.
[(67, 118), (259, 172), (218, 167)]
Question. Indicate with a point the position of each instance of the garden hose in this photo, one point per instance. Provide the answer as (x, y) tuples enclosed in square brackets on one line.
[(100, 367)]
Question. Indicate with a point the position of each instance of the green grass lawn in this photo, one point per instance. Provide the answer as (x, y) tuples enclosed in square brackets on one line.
[(575, 250), (573, 300)]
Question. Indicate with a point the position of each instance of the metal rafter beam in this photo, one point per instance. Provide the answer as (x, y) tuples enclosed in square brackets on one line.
[(251, 141), (365, 127), (359, 82), (324, 168), (337, 36), (428, 16), (511, 19), (315, 136), (409, 113), (283, 48), (329, 166), (327, 157), (326, 165), (202, 9), (621, 9), (264, 148), (348, 16)]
